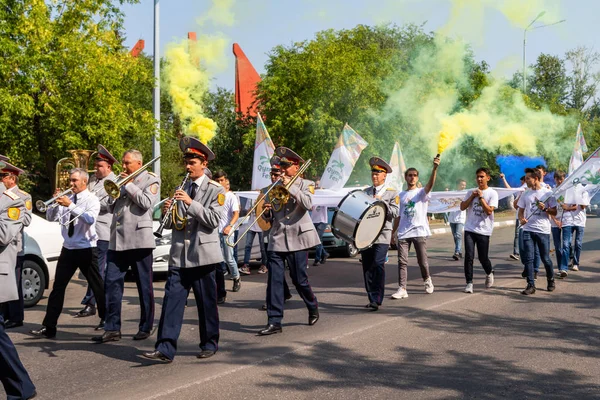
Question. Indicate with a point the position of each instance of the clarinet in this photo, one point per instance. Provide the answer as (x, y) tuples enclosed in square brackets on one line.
[(167, 215)]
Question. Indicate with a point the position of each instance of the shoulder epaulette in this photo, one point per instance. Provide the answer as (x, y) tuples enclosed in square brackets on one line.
[(11, 194), (152, 173), (391, 189), (23, 193), (214, 182)]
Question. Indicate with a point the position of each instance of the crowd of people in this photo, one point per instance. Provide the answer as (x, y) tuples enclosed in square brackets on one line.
[(106, 235)]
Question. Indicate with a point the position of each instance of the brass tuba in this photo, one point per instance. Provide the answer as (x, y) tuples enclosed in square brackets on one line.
[(78, 159)]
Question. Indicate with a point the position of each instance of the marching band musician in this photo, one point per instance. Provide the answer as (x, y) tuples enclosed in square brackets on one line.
[(77, 214), (14, 312), (195, 255), (292, 234), (373, 258), (104, 172), (14, 377), (131, 245)]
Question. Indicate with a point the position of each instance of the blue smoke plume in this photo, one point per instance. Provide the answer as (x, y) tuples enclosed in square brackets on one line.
[(513, 167)]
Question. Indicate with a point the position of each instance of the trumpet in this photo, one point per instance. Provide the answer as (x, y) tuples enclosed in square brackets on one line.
[(113, 188), (172, 211), (43, 206), (279, 197)]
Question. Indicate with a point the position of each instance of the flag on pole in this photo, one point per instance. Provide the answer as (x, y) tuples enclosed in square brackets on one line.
[(263, 151), (586, 175), (344, 156), (395, 179), (578, 150)]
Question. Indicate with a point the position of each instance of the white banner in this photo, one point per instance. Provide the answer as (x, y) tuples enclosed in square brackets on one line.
[(342, 160), (395, 179), (263, 151), (578, 150)]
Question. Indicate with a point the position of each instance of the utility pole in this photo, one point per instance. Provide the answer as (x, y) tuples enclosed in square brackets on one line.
[(156, 93)]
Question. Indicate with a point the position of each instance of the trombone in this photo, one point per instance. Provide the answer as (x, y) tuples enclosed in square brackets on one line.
[(281, 195), (43, 206), (113, 188)]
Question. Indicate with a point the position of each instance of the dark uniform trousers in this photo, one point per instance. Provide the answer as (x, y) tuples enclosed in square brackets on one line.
[(68, 262), (297, 261), (179, 282), (118, 263), (220, 281), (89, 298), (373, 263), (13, 375), (14, 311)]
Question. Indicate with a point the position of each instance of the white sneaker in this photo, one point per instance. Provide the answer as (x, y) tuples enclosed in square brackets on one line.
[(400, 294), (489, 280), (469, 288), (428, 285), (575, 268)]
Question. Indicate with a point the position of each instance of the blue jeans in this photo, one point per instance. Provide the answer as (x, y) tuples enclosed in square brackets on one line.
[(248, 250), (567, 240), (536, 261), (558, 246), (578, 232), (320, 250), (540, 241), (457, 233), (228, 256)]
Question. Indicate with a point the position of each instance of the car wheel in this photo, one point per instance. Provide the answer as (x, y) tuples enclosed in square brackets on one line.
[(351, 251), (33, 281)]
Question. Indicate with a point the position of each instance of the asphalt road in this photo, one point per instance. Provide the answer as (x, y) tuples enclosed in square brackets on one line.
[(492, 344)]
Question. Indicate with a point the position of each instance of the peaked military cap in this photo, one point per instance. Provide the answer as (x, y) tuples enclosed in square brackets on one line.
[(377, 164), (8, 168), (288, 157), (104, 155), (194, 148)]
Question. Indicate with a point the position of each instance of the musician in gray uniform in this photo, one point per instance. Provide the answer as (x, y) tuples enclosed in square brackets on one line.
[(292, 234), (131, 244), (373, 258), (104, 172), (195, 254), (14, 312), (13, 375)]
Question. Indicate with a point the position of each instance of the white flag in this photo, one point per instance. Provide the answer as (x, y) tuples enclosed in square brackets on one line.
[(263, 151), (586, 179), (578, 150), (344, 156), (395, 179)]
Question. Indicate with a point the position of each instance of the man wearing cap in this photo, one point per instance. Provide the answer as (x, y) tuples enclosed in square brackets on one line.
[(131, 244), (195, 255), (14, 377), (292, 234), (14, 312), (104, 172), (373, 258)]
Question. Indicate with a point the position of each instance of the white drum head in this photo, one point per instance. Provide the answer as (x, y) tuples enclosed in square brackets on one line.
[(369, 227)]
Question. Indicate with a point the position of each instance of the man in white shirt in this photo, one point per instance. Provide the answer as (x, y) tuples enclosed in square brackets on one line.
[(413, 227), (318, 215), (480, 205), (77, 214), (535, 207), (457, 223), (578, 220), (559, 222), (231, 213)]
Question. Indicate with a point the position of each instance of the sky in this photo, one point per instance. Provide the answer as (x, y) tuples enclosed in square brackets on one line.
[(494, 28)]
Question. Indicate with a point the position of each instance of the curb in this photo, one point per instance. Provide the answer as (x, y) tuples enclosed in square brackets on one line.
[(497, 224)]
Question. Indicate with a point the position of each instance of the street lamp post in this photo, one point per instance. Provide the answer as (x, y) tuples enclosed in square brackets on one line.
[(156, 93), (529, 28)]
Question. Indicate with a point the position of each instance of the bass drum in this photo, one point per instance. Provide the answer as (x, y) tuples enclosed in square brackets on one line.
[(359, 219)]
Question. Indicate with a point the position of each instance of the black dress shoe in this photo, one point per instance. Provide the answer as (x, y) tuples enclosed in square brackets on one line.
[(221, 300), (313, 316), (13, 324), (157, 356), (237, 284), (206, 354), (141, 335), (87, 311), (49, 333), (100, 326), (270, 329), (108, 336), (372, 306)]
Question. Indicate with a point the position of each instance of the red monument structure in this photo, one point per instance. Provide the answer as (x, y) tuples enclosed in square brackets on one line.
[(246, 80)]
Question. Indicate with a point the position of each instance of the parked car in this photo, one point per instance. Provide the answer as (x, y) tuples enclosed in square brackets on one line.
[(594, 207)]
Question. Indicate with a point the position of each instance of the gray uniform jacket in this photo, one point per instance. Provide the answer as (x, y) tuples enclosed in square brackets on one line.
[(198, 243), (27, 218), (390, 197), (12, 215), (131, 226), (292, 229), (104, 220)]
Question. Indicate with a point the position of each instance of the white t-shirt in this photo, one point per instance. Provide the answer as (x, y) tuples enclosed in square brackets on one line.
[(537, 220), (477, 219), (413, 214), (230, 206), (457, 217), (318, 214), (579, 217)]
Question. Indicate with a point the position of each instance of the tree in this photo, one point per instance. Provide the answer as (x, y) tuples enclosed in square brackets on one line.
[(584, 81), (549, 83)]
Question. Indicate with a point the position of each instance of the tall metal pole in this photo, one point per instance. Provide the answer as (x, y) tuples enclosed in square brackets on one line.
[(156, 93), (524, 69)]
